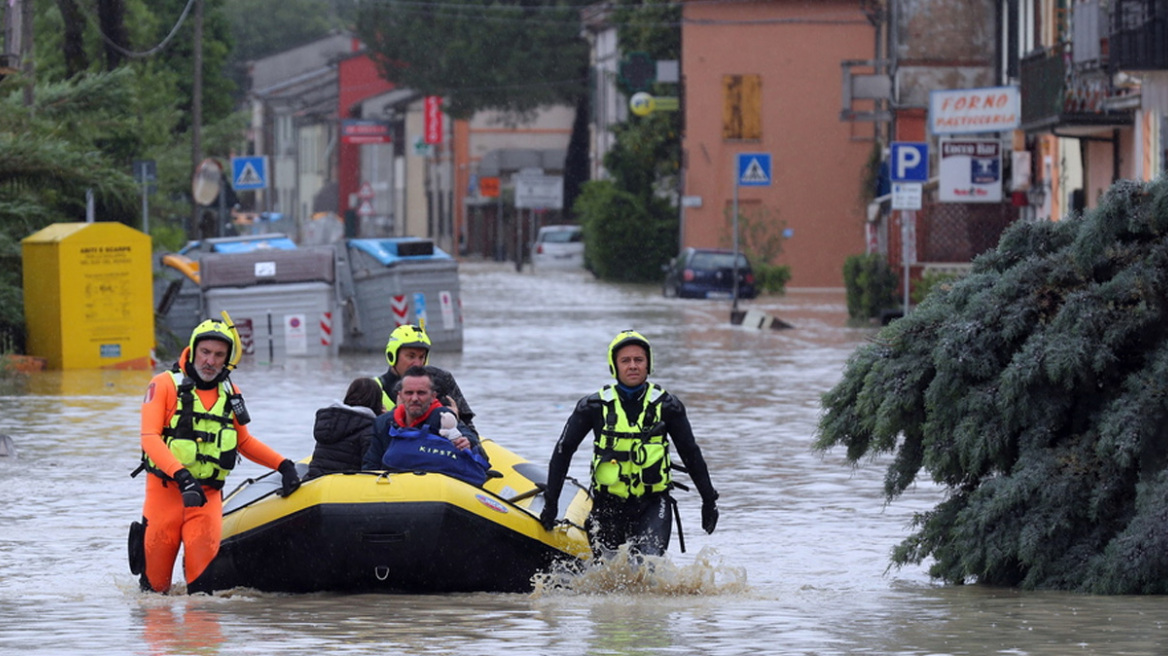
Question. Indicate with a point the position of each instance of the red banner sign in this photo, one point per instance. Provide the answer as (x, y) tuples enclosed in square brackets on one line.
[(433, 124), (489, 187)]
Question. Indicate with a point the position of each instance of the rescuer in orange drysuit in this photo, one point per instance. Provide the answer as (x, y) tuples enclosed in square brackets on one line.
[(193, 432)]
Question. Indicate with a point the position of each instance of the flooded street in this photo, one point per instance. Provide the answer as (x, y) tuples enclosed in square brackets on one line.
[(798, 565)]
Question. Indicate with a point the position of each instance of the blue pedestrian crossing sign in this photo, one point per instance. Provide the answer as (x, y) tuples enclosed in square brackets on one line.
[(754, 169), (249, 172)]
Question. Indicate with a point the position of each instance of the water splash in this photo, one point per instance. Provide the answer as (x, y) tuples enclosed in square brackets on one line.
[(630, 573)]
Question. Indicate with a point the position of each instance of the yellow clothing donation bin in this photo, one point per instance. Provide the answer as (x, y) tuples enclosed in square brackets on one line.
[(88, 296)]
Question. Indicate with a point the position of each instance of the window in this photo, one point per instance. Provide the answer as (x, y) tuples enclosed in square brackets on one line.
[(741, 107)]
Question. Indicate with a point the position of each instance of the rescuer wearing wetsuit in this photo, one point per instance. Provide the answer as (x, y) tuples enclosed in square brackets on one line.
[(193, 431), (633, 424)]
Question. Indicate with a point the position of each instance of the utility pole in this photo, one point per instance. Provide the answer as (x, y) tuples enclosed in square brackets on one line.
[(197, 109), (26, 36)]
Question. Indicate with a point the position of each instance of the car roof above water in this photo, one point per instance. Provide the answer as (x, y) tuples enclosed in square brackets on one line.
[(560, 233), (715, 258)]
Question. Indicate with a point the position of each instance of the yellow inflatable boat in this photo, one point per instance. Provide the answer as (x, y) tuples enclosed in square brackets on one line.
[(410, 532)]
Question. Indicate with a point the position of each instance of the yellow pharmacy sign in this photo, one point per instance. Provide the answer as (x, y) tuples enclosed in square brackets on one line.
[(88, 296)]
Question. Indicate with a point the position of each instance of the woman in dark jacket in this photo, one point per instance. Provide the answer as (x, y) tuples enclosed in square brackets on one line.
[(343, 430)]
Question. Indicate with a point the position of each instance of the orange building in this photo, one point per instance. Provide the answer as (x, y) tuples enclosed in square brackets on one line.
[(764, 77)]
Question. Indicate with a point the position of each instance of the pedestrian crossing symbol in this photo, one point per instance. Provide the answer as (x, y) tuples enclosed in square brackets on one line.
[(249, 172), (248, 177), (754, 169)]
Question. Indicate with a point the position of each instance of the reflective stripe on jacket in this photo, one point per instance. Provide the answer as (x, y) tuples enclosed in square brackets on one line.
[(631, 456), (385, 400)]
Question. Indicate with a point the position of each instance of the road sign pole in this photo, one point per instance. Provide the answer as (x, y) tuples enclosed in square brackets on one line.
[(734, 305), (500, 245), (518, 240), (904, 256), (145, 206), (908, 249), (753, 170), (219, 229)]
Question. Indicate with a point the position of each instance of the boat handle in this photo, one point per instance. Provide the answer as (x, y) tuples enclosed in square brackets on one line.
[(381, 572), (538, 489)]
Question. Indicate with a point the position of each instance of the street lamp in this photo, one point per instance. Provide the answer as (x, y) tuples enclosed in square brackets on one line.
[(1036, 197)]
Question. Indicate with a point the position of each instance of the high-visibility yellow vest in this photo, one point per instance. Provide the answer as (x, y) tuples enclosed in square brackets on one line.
[(203, 439), (631, 456)]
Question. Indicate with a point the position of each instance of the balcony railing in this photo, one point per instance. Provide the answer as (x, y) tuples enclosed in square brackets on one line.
[(1139, 35), (1056, 93), (1042, 76)]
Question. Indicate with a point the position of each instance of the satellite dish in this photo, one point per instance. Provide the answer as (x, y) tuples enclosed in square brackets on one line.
[(206, 182)]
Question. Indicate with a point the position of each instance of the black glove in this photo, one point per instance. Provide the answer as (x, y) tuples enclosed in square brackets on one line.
[(192, 492), (291, 481), (709, 515), (548, 517)]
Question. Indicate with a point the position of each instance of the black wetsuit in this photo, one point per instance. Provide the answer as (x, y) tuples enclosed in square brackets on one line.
[(645, 521)]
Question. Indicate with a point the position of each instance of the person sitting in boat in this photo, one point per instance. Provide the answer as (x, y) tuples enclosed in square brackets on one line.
[(415, 437), (194, 428), (344, 429), (409, 346)]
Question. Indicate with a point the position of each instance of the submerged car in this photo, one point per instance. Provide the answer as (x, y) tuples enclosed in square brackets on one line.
[(708, 273), (558, 247)]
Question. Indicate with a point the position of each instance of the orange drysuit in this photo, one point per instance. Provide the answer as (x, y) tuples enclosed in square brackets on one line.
[(168, 522)]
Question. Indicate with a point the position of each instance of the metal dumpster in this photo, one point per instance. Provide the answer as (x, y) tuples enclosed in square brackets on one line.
[(178, 289), (388, 282), (284, 302)]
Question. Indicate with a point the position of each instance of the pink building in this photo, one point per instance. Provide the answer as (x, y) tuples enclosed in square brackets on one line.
[(764, 77)]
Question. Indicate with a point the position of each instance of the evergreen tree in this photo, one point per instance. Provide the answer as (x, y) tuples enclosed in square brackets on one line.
[(1034, 390), (51, 156)]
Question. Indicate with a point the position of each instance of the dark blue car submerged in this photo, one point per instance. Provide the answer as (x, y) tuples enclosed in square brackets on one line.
[(708, 273)]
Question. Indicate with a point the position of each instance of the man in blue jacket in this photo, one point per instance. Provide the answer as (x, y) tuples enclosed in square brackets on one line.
[(415, 437)]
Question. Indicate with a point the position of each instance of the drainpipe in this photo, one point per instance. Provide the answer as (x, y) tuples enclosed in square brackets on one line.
[(1115, 156), (892, 46)]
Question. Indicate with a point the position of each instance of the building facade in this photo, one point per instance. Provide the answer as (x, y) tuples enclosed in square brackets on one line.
[(764, 77)]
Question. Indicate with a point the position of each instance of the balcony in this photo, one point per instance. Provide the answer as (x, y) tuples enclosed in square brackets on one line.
[(1139, 35), (1058, 95)]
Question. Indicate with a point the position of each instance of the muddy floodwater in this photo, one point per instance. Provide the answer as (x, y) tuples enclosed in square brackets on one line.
[(798, 565)]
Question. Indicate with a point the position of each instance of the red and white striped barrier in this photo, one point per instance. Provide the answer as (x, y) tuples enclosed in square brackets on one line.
[(401, 310), (326, 329), (246, 335)]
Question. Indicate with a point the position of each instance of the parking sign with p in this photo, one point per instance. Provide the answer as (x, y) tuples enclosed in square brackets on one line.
[(910, 161)]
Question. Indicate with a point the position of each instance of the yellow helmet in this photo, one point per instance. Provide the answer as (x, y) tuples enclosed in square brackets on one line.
[(624, 338), (211, 329), (406, 335)]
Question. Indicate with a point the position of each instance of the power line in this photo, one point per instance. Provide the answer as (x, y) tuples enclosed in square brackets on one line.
[(129, 53), (482, 12), (531, 85)]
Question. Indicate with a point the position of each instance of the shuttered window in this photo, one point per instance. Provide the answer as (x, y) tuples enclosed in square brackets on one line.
[(741, 107)]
